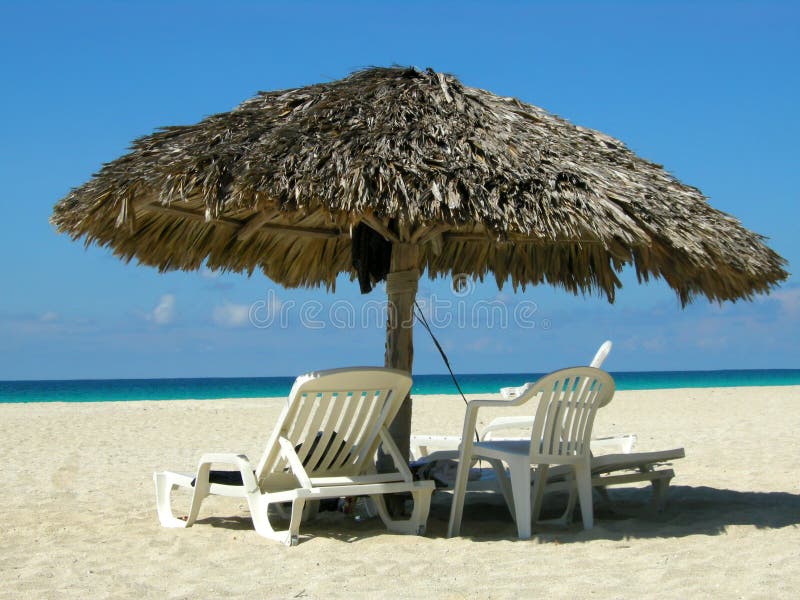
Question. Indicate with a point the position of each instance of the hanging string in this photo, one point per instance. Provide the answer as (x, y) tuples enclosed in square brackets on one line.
[(421, 318)]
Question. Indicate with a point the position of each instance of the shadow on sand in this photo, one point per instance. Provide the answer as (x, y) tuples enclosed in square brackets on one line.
[(689, 511), (628, 515)]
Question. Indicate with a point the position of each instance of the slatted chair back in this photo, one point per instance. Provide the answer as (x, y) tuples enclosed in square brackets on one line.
[(568, 403), (332, 420)]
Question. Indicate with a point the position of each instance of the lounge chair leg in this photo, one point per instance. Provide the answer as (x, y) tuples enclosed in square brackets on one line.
[(294, 522), (419, 514), (201, 490), (416, 523), (660, 489), (259, 507), (422, 507), (165, 484), (583, 481), (164, 487)]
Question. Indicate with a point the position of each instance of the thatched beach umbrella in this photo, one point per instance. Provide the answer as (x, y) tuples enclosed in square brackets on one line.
[(392, 171)]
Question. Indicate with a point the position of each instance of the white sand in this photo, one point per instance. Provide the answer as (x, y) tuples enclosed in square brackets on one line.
[(78, 513)]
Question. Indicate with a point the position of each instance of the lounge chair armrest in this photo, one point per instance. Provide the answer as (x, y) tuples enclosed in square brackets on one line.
[(240, 461), (225, 458), (295, 464), (400, 463)]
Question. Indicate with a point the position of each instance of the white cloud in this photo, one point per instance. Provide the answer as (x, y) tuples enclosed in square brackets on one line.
[(654, 344), (789, 300), (231, 315), (49, 317), (164, 312), (485, 345), (479, 344), (649, 341)]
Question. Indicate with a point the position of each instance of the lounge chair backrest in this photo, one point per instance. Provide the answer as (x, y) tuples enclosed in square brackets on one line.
[(568, 403), (601, 354), (332, 420)]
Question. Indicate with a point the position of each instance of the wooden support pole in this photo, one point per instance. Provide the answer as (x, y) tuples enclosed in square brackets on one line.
[(401, 290)]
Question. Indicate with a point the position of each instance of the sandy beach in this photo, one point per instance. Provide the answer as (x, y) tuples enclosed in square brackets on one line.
[(79, 514)]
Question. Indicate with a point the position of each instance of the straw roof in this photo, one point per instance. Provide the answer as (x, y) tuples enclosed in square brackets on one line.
[(483, 184)]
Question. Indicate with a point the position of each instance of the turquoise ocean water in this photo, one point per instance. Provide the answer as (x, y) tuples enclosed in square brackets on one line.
[(99, 390)]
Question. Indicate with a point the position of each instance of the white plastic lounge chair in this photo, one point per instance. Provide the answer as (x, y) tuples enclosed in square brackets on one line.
[(618, 469), (568, 402), (323, 446)]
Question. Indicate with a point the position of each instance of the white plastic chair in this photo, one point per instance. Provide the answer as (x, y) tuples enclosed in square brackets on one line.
[(323, 446), (561, 432), (509, 393), (622, 467), (446, 446)]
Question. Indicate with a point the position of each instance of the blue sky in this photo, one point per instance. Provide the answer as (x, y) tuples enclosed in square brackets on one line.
[(708, 89)]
